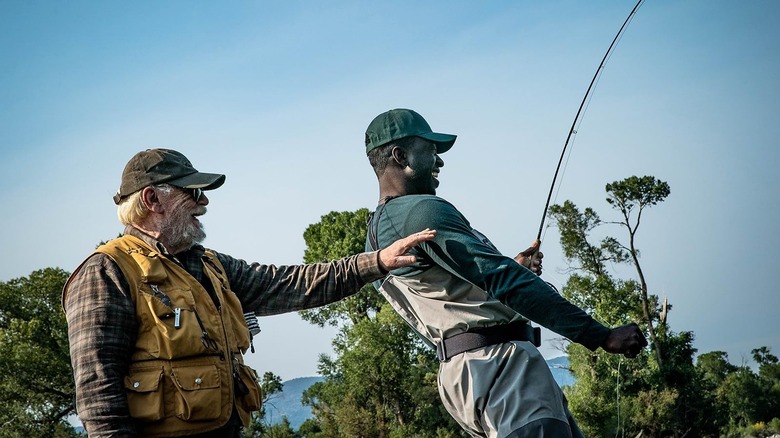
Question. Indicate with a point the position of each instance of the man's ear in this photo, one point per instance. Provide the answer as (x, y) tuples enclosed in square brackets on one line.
[(399, 155), (151, 200)]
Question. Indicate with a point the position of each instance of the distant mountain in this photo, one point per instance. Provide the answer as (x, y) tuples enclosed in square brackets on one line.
[(288, 402)]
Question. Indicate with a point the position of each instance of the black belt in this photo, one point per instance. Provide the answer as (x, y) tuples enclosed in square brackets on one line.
[(485, 336)]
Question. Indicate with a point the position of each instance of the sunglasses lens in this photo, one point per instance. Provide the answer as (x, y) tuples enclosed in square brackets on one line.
[(196, 194)]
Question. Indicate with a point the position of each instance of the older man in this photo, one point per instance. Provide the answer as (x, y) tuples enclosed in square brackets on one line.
[(155, 320), (470, 301)]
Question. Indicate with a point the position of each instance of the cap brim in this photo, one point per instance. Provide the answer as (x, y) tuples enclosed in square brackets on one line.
[(199, 180), (443, 141)]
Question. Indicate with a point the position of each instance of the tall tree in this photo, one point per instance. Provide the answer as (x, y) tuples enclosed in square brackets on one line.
[(630, 197), (653, 393), (382, 380), (37, 393)]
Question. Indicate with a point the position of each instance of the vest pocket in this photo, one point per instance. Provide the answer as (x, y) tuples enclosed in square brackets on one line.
[(144, 394), (199, 395), (251, 401), (167, 337)]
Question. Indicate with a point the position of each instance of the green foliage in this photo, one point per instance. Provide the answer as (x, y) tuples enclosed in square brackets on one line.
[(656, 394), (612, 301), (281, 430), (713, 367), (310, 429), (626, 196), (759, 429), (340, 234), (382, 380), (270, 385), (741, 390), (601, 398), (36, 392), (613, 395), (740, 402), (634, 192), (653, 411), (574, 228)]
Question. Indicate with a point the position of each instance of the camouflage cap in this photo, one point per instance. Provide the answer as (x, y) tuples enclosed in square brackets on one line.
[(157, 166)]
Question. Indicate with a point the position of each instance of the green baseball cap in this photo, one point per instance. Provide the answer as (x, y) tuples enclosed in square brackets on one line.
[(157, 166), (399, 123)]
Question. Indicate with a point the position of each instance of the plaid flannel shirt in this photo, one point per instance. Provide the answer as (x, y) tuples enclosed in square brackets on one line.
[(102, 323)]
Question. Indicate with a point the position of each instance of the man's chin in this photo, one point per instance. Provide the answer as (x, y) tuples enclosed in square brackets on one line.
[(194, 237), (199, 238)]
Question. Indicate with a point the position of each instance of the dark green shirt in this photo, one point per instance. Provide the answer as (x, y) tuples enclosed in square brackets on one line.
[(469, 255)]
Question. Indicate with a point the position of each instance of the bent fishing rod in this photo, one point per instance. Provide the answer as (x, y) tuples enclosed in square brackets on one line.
[(573, 129)]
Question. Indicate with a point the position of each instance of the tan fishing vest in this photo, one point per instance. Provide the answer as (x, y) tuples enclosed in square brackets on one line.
[(187, 367)]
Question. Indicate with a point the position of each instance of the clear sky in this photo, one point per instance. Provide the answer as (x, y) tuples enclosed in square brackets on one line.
[(277, 95)]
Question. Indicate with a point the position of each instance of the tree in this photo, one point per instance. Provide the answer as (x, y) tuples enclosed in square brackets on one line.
[(631, 195), (37, 392), (336, 235), (281, 430), (656, 393), (270, 386), (382, 380), (741, 402)]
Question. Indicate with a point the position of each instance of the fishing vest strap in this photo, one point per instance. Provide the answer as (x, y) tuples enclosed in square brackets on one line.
[(486, 336)]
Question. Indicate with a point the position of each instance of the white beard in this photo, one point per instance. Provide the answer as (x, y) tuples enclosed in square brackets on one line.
[(180, 231)]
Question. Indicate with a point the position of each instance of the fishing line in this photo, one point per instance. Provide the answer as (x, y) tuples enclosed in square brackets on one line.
[(617, 398)]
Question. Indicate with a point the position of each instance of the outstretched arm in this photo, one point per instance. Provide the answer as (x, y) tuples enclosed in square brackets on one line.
[(271, 290)]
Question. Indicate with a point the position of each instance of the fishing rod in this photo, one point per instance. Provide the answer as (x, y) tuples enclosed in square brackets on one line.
[(573, 130)]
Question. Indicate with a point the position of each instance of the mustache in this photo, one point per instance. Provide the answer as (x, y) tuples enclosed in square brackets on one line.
[(200, 211)]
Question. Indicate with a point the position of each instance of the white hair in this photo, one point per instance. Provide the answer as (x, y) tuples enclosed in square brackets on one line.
[(132, 210)]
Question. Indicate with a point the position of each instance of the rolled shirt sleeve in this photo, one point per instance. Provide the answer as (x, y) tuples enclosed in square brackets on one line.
[(270, 290)]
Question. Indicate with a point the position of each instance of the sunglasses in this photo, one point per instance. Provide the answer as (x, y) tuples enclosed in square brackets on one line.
[(196, 194)]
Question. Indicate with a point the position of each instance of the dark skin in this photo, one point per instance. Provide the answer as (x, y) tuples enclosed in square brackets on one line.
[(415, 171)]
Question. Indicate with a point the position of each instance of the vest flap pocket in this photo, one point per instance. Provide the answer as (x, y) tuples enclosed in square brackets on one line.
[(196, 377), (144, 381), (199, 395), (144, 394), (152, 269)]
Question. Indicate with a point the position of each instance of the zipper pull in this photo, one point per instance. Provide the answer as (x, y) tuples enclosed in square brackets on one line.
[(160, 295), (177, 317)]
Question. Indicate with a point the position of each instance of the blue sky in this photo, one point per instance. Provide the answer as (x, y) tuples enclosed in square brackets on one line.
[(277, 96)]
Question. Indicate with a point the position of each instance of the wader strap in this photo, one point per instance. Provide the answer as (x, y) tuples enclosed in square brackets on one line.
[(373, 225), (486, 336)]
